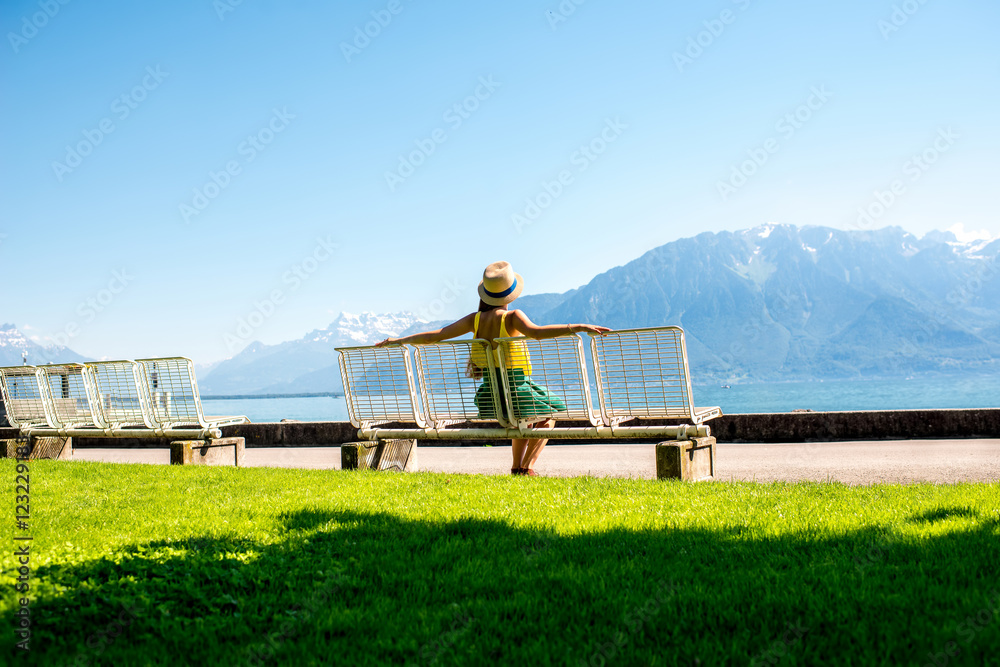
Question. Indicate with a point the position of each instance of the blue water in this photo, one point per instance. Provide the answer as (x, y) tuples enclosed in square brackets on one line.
[(316, 409), (831, 395)]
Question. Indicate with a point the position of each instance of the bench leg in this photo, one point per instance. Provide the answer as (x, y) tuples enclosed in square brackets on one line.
[(210, 452), (40, 448), (398, 455), (688, 460)]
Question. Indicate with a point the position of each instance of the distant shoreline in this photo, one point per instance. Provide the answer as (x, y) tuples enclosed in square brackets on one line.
[(233, 397)]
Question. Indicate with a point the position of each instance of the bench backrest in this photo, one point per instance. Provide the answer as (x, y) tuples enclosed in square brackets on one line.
[(70, 395), (379, 385), (638, 373), (120, 394), (643, 373), (453, 388), (172, 391), (546, 379), (24, 396)]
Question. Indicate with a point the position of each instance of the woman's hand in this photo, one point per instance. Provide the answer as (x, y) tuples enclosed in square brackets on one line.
[(387, 341), (590, 328)]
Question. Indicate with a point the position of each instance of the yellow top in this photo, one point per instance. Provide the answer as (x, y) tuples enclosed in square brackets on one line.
[(517, 351)]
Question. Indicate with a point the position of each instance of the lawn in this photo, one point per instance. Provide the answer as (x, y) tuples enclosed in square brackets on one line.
[(158, 565)]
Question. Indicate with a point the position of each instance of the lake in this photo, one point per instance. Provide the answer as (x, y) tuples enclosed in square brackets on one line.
[(830, 395)]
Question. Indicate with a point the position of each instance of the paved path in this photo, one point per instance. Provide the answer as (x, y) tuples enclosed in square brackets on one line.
[(897, 461)]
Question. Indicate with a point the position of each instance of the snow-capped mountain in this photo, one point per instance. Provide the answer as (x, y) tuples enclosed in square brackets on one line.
[(308, 364), (781, 302), (15, 347), (774, 302), (364, 329)]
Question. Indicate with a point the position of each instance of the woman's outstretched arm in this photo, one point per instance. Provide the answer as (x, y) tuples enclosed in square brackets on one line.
[(522, 325), (457, 328)]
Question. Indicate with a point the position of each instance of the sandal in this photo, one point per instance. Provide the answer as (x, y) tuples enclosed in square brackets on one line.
[(517, 471), (529, 472)]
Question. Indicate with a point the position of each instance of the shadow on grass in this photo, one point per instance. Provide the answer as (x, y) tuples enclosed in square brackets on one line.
[(944, 513), (355, 588)]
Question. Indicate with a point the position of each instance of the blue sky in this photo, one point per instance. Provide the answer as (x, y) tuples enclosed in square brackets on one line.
[(171, 169)]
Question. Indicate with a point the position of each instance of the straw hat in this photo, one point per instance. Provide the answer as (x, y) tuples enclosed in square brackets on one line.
[(500, 285)]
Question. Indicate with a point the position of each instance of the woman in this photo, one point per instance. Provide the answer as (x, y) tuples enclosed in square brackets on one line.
[(498, 288)]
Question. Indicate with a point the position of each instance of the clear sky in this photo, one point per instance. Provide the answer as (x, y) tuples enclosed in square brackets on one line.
[(171, 168)]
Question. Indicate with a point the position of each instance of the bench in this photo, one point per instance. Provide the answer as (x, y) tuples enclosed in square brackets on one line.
[(122, 399), (639, 378)]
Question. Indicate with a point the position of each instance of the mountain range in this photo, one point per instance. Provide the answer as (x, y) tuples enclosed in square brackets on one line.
[(776, 302), (15, 348)]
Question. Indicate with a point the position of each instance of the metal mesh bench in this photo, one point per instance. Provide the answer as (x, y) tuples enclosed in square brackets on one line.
[(24, 396), (67, 388), (449, 387), (382, 386), (559, 365), (172, 392), (643, 373), (639, 374), (120, 394), (145, 398)]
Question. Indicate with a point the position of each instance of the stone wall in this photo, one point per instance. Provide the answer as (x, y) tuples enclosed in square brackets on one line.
[(772, 427)]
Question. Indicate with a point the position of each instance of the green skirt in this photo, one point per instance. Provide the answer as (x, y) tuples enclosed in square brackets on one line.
[(530, 398)]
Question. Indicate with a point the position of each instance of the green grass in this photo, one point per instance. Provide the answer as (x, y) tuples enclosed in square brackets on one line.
[(220, 566)]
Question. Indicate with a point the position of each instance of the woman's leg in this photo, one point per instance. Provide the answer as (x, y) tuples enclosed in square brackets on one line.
[(535, 446), (517, 448)]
